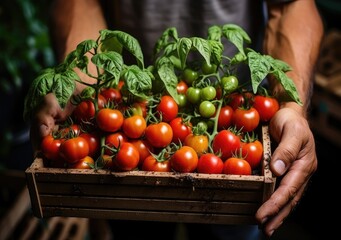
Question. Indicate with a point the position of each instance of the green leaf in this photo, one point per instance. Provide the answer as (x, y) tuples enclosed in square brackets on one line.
[(128, 42), (288, 85), (184, 46), (214, 33), (217, 51), (111, 62), (169, 34), (203, 47), (259, 68), (137, 81), (236, 35), (84, 47), (62, 84), (278, 64), (165, 70)]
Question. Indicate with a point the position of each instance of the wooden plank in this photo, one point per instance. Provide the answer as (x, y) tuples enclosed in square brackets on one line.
[(164, 205), (152, 216), (148, 192)]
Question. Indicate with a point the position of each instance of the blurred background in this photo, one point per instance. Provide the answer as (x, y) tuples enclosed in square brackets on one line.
[(25, 50)]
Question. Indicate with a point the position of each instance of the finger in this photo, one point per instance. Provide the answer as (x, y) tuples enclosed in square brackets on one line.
[(270, 225), (292, 142)]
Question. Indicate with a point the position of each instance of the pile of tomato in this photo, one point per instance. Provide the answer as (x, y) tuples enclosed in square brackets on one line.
[(202, 131)]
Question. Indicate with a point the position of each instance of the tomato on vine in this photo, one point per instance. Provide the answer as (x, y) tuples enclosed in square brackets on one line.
[(168, 108), (181, 129), (184, 160), (134, 126), (210, 163), (266, 106), (225, 117), (208, 93), (199, 142), (181, 87), (84, 163), (93, 139), (50, 146), (237, 166), (126, 158), (112, 94), (252, 150), (109, 120), (226, 142), (189, 75), (74, 149), (246, 119), (159, 134), (151, 163), (144, 148)]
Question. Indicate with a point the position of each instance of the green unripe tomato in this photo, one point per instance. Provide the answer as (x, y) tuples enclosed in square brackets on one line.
[(208, 93), (229, 84), (190, 76), (207, 109), (182, 100), (193, 95), (208, 68)]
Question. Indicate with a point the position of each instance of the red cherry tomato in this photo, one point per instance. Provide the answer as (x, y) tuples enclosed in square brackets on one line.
[(134, 126), (227, 143), (112, 94), (152, 164), (74, 149), (184, 160), (168, 108), (237, 166), (266, 107), (253, 153), (181, 87), (246, 119), (109, 120), (114, 140), (210, 163), (180, 129), (159, 135), (84, 163), (127, 157), (225, 117), (50, 147), (144, 148), (93, 140)]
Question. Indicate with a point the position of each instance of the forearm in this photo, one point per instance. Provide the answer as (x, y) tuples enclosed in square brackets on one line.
[(293, 34), (73, 21)]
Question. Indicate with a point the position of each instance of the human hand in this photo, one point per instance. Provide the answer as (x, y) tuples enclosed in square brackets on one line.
[(46, 119), (295, 160)]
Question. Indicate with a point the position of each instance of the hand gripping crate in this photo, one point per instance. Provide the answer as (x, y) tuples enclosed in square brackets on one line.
[(150, 196)]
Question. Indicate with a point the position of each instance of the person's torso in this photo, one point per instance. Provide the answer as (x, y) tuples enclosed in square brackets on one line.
[(147, 19)]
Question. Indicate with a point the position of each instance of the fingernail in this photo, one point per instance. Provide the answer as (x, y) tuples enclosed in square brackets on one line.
[(264, 220), (271, 232), (279, 167)]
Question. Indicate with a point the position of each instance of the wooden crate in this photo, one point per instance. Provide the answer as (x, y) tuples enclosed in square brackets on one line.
[(150, 196)]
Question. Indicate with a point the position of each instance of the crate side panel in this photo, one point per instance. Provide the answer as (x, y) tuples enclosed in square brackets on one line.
[(161, 192), (161, 205), (230, 219)]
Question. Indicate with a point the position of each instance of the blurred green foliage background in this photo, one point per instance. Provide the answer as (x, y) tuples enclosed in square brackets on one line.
[(25, 50)]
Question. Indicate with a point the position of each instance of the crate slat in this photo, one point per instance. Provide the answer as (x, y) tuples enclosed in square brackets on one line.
[(184, 217)]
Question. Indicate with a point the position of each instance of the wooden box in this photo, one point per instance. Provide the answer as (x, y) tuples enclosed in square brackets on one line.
[(150, 196)]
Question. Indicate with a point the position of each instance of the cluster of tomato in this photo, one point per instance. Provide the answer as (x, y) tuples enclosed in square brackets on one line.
[(193, 134)]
